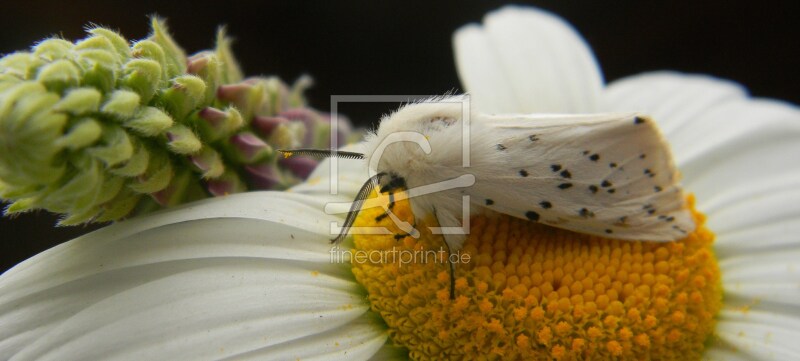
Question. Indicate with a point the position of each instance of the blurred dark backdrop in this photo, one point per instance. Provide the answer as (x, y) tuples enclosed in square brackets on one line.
[(404, 48)]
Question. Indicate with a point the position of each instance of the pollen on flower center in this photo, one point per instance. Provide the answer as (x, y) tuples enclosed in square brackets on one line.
[(525, 290)]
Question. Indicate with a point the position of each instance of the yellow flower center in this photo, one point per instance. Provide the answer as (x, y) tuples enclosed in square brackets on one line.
[(525, 290)]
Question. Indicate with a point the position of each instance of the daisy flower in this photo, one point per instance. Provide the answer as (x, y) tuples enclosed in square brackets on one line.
[(252, 276)]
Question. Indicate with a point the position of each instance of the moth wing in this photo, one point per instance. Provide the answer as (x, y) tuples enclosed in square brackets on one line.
[(610, 175)]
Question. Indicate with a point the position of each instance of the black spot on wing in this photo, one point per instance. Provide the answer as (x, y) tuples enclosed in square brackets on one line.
[(501, 147), (649, 173), (489, 202), (555, 167), (608, 231), (523, 173), (546, 204), (612, 165), (638, 120), (594, 157), (531, 215), (565, 185), (642, 156), (593, 188), (606, 184), (533, 137), (658, 189), (585, 213), (566, 174)]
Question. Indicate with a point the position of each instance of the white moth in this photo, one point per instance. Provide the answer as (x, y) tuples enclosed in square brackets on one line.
[(610, 175)]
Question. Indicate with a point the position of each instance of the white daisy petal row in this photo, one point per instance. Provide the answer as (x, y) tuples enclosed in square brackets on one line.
[(245, 275)]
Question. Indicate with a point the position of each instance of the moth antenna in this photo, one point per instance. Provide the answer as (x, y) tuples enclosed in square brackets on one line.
[(320, 153), (362, 195)]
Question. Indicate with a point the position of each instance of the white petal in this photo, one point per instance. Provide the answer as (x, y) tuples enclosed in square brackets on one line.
[(215, 279), (356, 340), (768, 280), (717, 352), (673, 99), (762, 219), (525, 60), (759, 335), (721, 138)]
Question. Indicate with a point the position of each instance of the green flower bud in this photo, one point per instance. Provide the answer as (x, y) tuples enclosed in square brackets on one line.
[(149, 121), (53, 49), (175, 58), (59, 75), (23, 65), (116, 148), (121, 104), (119, 43), (231, 72), (82, 134), (136, 164), (157, 177), (142, 76), (186, 94), (79, 101), (181, 140), (214, 124), (209, 163)]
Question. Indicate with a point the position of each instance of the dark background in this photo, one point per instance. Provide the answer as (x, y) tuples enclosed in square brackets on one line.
[(404, 48)]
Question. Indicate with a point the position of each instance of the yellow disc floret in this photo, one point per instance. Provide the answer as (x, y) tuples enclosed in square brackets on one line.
[(529, 291)]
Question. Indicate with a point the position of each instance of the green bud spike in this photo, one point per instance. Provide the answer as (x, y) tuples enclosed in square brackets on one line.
[(121, 104), (99, 129), (149, 122)]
